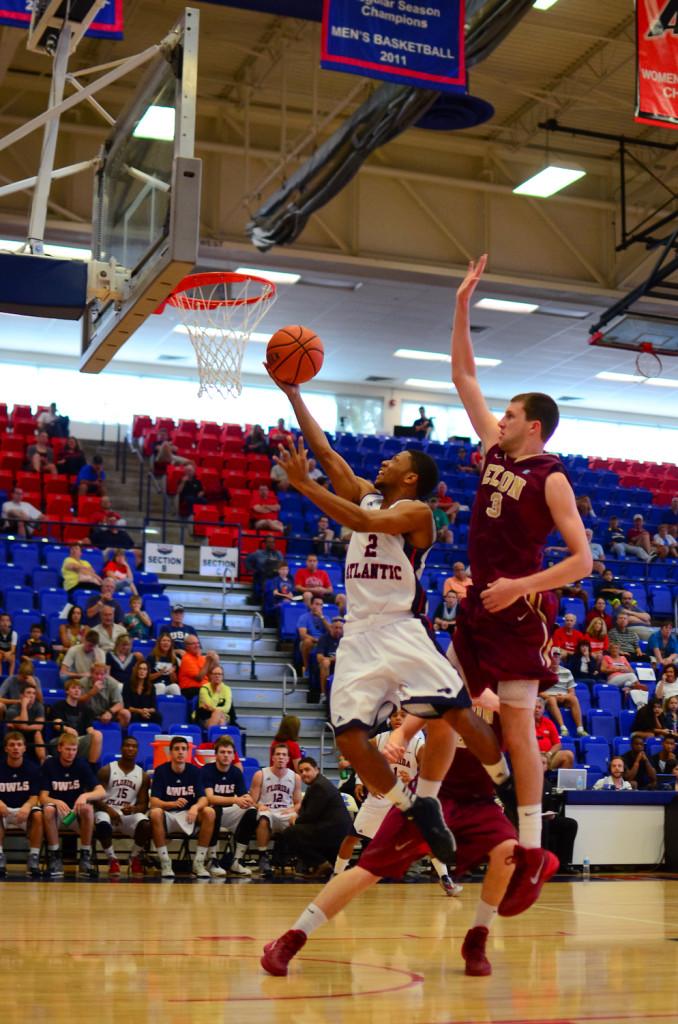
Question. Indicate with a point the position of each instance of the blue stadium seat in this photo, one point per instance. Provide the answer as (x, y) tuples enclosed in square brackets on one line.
[(583, 696), (250, 765), (23, 620), (443, 640), (573, 606), (157, 606), (639, 594), (289, 617), (144, 647), (24, 556), (608, 698), (52, 694), (144, 733), (47, 672), (51, 600), (172, 709), (661, 599), (10, 577), (95, 557), (601, 724), (215, 731), (620, 745), (596, 752), (42, 579), (112, 738), (191, 732), (626, 719), (17, 598), (54, 556)]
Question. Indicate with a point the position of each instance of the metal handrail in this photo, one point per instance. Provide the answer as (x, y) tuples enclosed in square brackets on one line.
[(289, 672), (256, 633), (327, 728), (229, 576)]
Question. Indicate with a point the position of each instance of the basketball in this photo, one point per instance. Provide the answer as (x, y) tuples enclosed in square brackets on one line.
[(294, 354)]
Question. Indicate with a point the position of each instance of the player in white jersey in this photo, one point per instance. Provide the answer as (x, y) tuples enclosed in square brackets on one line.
[(123, 808), (375, 807), (388, 656), (276, 792)]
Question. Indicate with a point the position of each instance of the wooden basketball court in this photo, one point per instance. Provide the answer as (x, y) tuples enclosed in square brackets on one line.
[(599, 951)]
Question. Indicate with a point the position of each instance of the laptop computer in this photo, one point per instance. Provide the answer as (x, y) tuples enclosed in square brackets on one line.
[(571, 778)]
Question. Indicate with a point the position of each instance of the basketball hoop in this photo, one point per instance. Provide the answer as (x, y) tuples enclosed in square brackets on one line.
[(648, 363), (220, 311)]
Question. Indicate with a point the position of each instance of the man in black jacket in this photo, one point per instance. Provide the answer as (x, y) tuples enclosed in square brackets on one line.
[(322, 823)]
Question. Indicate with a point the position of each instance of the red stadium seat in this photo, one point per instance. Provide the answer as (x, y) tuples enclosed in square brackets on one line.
[(33, 498), (26, 428), (231, 445), (202, 515), (164, 423), (55, 485), (29, 481), (188, 427), (209, 428), (212, 461), (75, 530), (174, 475), (234, 479), (226, 537), (233, 430), (140, 426), (6, 480), (58, 506), (211, 482), (89, 507), (10, 461)]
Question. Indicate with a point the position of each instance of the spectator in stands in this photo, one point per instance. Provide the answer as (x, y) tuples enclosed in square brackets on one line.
[(663, 647), (92, 478), (235, 812), (558, 832), (137, 622), (20, 783), (138, 695), (77, 571), (310, 581), (310, 627), (664, 543), (194, 667), (107, 535), (72, 631), (665, 760), (255, 441), (277, 809), (585, 508), (52, 423), (563, 694), (8, 644), (278, 435), (96, 604), (215, 701), (635, 616), (279, 478), (619, 545), (118, 569), (40, 456), (108, 630), (29, 718), (265, 510), (190, 492), (163, 665), (615, 780), (670, 716), (617, 668), (459, 582), (288, 736), (69, 785), (672, 512), (19, 516), (668, 684), (583, 664), (71, 459), (79, 658), (326, 656), (638, 769), (597, 553), (449, 506), (444, 534), (164, 454), (263, 564), (598, 612), (121, 660), (625, 638), (549, 740), (423, 425), (71, 716), (445, 617), (322, 541), (178, 630), (280, 587), (607, 588), (567, 637), (323, 821), (10, 690), (179, 804), (103, 695), (129, 819), (37, 645), (597, 635), (638, 535), (648, 719)]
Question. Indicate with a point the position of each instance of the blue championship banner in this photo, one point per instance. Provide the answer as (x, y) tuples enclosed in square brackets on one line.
[(107, 24), (412, 42)]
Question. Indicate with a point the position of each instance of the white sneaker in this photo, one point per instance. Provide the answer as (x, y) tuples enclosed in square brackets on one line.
[(166, 870), (199, 869), (564, 731), (216, 871), (237, 868)]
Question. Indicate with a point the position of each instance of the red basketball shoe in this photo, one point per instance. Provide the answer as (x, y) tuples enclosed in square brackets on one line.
[(278, 954), (473, 952), (534, 866)]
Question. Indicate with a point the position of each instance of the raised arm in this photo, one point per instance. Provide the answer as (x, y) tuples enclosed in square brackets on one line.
[(464, 375), (343, 479)]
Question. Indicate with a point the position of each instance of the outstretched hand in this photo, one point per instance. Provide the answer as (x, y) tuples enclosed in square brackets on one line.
[(294, 460), (473, 275), (291, 390)]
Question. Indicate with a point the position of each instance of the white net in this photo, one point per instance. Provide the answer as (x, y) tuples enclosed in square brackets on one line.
[(220, 312)]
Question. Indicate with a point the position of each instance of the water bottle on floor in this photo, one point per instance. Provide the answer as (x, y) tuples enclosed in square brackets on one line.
[(586, 870)]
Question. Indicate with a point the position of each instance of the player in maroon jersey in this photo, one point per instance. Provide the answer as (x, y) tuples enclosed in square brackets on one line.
[(483, 833), (504, 623)]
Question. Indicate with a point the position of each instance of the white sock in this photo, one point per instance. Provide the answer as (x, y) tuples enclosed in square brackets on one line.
[(211, 852), (240, 851), (110, 853), (498, 772), (485, 915), (310, 919), (400, 796), (85, 849), (529, 825), (35, 850), (340, 864), (440, 868), (200, 854), (135, 851), (427, 787), (162, 852), (54, 849)]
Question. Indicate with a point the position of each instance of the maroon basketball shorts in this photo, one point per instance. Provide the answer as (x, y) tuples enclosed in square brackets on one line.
[(508, 645), (477, 828)]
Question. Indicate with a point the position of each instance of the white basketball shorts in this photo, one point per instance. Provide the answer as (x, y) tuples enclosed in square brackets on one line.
[(127, 825)]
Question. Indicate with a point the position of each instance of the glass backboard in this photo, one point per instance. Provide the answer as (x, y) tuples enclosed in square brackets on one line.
[(637, 329)]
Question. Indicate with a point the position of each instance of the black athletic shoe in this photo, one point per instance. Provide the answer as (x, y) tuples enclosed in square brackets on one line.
[(427, 815), (86, 869)]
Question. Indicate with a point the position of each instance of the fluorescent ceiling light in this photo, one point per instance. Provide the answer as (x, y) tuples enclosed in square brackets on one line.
[(214, 332), (507, 306), (543, 5), (662, 382), (628, 378), (440, 357), (64, 252), (276, 276), (428, 385), (156, 123), (549, 181)]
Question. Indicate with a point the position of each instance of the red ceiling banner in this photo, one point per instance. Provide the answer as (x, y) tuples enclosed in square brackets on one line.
[(657, 67)]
